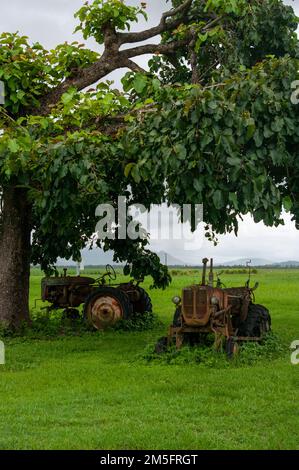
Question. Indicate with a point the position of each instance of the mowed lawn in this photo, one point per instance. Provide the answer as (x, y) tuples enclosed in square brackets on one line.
[(94, 392)]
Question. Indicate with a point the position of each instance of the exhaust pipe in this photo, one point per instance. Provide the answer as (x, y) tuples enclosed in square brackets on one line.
[(204, 271), (211, 274)]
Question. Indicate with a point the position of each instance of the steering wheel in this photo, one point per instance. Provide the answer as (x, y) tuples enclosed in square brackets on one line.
[(110, 272)]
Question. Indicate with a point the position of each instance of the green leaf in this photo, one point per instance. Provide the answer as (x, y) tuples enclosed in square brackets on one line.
[(250, 128), (139, 82), (287, 203), (234, 160), (213, 105), (181, 151), (136, 174), (218, 199), (129, 168), (258, 138), (234, 200), (13, 146), (198, 185), (277, 156), (205, 140)]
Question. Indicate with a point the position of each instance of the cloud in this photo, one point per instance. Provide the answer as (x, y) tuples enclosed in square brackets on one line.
[(52, 21)]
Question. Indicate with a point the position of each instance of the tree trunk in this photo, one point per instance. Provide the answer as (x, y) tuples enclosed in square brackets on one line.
[(15, 241)]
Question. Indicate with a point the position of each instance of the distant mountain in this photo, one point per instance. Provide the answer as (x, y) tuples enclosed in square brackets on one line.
[(169, 259), (243, 262), (97, 257), (286, 264), (94, 257), (261, 262)]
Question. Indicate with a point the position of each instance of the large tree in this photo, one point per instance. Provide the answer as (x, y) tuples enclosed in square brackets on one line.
[(210, 122)]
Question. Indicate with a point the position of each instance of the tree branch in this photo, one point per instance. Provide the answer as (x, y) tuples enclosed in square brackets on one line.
[(105, 65), (154, 48), (135, 67), (83, 79), (211, 23), (163, 26), (113, 59), (110, 125)]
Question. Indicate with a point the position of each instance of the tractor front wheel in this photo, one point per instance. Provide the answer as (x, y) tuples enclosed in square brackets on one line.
[(231, 348), (106, 306), (161, 345), (177, 318)]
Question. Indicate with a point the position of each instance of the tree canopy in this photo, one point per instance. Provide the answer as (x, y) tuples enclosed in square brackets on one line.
[(210, 122)]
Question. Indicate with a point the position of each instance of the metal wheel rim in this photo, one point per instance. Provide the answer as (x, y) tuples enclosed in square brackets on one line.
[(105, 311)]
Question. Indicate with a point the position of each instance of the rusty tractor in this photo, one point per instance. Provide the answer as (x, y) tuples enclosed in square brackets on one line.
[(208, 307), (105, 303)]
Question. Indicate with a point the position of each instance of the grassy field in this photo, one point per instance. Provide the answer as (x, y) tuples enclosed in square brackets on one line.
[(94, 391)]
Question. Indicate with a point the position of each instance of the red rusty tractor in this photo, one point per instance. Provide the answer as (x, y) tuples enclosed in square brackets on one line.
[(229, 313), (104, 304)]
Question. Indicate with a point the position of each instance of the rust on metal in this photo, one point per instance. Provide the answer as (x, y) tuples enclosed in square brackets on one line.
[(105, 312), (104, 303), (221, 311)]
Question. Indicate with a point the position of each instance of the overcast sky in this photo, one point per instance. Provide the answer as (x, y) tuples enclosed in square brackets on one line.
[(51, 22)]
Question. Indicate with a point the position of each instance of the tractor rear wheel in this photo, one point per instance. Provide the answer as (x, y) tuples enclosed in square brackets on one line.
[(106, 306), (145, 302), (257, 323)]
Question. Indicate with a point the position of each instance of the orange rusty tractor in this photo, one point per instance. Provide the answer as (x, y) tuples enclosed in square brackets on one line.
[(229, 313)]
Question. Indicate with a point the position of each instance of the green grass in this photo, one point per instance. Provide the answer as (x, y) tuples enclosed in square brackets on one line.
[(94, 390)]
